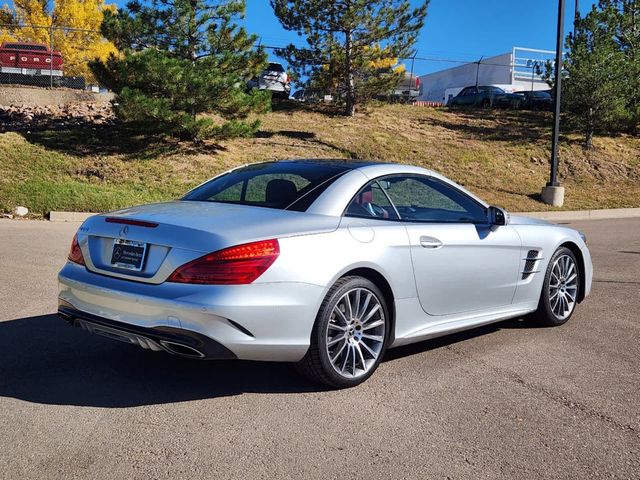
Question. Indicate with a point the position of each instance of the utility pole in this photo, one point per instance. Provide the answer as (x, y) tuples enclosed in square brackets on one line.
[(411, 83), (51, 56), (553, 193), (51, 45), (478, 70)]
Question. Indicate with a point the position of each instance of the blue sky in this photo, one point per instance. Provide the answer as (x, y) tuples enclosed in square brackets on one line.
[(455, 29), (462, 30)]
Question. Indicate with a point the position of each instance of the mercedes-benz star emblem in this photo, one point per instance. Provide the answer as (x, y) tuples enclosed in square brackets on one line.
[(124, 230)]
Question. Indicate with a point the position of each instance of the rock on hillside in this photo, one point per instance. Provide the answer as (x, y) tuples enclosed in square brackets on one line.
[(25, 117)]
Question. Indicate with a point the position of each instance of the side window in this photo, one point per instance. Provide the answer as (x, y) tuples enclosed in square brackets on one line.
[(371, 202), (423, 199), (465, 92)]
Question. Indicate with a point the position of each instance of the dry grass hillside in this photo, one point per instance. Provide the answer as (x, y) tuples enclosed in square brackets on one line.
[(501, 156)]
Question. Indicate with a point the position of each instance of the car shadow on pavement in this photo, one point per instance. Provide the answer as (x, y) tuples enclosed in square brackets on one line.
[(460, 337), (44, 360)]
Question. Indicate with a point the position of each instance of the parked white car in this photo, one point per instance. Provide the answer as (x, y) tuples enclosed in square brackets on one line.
[(273, 78)]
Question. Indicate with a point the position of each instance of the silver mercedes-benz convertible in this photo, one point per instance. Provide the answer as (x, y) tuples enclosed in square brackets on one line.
[(322, 263)]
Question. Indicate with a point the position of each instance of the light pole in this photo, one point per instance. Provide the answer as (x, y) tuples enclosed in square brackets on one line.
[(553, 193), (478, 69)]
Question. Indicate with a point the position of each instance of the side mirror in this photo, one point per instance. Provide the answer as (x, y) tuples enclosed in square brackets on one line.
[(498, 216)]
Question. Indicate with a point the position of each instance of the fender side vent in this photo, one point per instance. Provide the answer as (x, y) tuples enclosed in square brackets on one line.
[(531, 262)]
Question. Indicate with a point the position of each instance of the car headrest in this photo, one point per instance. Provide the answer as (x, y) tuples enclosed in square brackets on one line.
[(280, 192)]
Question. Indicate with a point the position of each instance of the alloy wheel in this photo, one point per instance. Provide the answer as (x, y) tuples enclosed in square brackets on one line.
[(563, 287), (355, 333)]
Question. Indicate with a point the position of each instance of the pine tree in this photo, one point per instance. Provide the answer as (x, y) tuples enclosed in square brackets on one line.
[(350, 43), (596, 91), (180, 59), (621, 20)]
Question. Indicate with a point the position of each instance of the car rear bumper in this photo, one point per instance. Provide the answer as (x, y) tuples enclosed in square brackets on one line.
[(268, 321), (173, 340), (274, 87)]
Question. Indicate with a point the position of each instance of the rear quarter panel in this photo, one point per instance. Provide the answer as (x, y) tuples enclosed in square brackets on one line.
[(323, 258)]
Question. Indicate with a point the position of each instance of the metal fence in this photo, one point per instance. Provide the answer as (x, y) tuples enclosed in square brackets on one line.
[(42, 80)]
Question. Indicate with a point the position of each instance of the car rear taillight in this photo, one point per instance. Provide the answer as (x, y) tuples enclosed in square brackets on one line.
[(238, 265), (75, 254)]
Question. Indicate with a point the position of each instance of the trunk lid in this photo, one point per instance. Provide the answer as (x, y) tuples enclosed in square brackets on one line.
[(170, 234)]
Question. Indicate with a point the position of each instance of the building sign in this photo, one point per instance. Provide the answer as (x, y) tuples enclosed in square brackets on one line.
[(529, 64)]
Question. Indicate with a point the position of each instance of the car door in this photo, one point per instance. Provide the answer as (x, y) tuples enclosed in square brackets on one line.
[(473, 96), (461, 263), (465, 97)]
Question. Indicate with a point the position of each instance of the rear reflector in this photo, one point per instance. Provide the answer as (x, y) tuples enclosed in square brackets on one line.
[(75, 254), (238, 265), (130, 221)]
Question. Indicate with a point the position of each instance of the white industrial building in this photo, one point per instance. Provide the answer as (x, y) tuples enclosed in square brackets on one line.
[(520, 69)]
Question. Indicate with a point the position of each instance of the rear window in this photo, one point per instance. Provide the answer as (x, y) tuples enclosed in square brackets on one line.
[(31, 48), (281, 185), (491, 89), (275, 67)]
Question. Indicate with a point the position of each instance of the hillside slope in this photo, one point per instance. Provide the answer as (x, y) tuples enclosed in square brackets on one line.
[(501, 156)]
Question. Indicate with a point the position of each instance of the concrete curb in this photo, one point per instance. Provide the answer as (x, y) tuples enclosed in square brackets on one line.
[(69, 216), (606, 213), (551, 216)]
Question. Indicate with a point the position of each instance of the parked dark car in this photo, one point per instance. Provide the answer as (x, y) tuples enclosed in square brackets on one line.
[(536, 100), (485, 96), (307, 95)]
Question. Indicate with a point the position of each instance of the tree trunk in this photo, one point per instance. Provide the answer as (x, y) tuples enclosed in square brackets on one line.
[(192, 41), (350, 81), (588, 138)]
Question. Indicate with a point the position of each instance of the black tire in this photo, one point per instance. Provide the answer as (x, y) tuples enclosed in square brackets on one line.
[(485, 103), (545, 315), (316, 364)]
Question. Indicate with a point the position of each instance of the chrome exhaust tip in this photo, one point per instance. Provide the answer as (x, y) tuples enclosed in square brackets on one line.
[(181, 350)]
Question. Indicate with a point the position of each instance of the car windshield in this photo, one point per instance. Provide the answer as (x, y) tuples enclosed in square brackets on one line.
[(281, 185)]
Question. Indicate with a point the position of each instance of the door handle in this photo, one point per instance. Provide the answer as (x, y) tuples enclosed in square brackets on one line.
[(430, 242)]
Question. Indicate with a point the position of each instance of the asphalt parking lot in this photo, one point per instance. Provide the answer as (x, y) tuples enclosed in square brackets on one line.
[(506, 401)]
